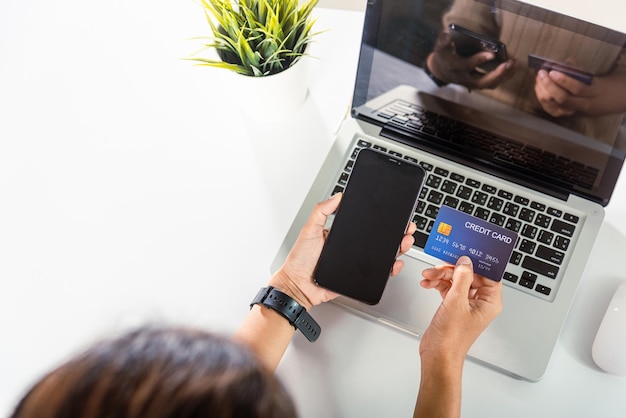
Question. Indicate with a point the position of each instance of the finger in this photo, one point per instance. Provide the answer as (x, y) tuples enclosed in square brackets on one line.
[(411, 228), (463, 276), (406, 244), (571, 85), (397, 267), (323, 209), (477, 59), (444, 42), (440, 272), (486, 288)]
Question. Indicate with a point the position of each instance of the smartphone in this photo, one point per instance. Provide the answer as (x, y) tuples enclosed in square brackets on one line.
[(363, 242), (540, 63), (468, 43)]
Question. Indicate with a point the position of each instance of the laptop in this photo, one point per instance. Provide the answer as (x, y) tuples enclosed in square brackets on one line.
[(495, 154)]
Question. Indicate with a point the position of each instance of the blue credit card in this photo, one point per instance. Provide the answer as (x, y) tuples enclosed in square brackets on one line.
[(456, 233)]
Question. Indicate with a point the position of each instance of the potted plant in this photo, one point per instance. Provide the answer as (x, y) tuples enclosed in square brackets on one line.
[(258, 37), (260, 40)]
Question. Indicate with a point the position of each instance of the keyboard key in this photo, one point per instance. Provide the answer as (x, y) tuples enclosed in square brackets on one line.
[(431, 211), (363, 143), (542, 220), (564, 228), (420, 221), (529, 231), (570, 218), (538, 206), (441, 171), (527, 246), (457, 177), (540, 267), (555, 212), (472, 183), (511, 209), (516, 258), (481, 213), (433, 181), (410, 159), (337, 189), (489, 189), (531, 277), (526, 283), (449, 186), (451, 201), (426, 166), (543, 289), (550, 254), (466, 207), (561, 243), (495, 203), (380, 148), (513, 225), (545, 237), (420, 239), (435, 197), (497, 219), (464, 192), (521, 200), (527, 215), (479, 198), (505, 195), (510, 277), (349, 166)]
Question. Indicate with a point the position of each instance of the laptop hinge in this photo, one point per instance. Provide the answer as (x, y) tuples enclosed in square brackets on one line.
[(515, 175)]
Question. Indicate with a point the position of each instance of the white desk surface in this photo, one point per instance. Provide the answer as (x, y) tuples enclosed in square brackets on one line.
[(132, 190)]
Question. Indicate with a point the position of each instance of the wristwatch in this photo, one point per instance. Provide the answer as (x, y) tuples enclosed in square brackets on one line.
[(438, 82), (298, 317)]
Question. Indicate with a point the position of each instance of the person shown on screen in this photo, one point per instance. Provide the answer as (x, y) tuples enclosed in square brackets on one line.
[(167, 372), (596, 110)]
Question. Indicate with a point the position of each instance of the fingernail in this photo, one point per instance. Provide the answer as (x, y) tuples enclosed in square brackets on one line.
[(465, 260)]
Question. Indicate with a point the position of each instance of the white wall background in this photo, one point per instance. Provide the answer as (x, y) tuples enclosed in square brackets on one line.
[(344, 4)]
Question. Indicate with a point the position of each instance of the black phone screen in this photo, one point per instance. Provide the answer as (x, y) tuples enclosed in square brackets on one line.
[(468, 43), (363, 241)]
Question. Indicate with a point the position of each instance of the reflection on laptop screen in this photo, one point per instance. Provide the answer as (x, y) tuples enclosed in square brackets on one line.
[(559, 151)]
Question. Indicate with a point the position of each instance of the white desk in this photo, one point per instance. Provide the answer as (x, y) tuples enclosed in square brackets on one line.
[(132, 191)]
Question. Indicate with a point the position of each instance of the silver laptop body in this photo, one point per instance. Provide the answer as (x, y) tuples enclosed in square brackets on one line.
[(549, 262)]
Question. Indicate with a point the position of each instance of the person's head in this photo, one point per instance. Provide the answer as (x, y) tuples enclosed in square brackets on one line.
[(159, 373)]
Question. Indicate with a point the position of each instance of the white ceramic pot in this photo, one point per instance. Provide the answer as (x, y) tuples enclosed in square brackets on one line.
[(272, 97)]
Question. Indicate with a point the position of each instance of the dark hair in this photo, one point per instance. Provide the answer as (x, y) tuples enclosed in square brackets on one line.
[(159, 373)]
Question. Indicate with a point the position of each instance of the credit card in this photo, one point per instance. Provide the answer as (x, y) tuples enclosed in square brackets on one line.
[(541, 63), (456, 233)]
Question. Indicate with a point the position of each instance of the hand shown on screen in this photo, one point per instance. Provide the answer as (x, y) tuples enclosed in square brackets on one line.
[(446, 65), (561, 95)]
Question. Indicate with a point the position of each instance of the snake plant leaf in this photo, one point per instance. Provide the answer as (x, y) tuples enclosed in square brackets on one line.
[(258, 37)]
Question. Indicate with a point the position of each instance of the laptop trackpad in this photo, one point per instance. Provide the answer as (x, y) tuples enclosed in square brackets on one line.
[(405, 305)]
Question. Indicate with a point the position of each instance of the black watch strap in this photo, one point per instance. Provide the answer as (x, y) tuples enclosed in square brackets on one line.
[(438, 82), (295, 313)]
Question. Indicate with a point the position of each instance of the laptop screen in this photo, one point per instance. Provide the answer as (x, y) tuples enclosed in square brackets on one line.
[(443, 75)]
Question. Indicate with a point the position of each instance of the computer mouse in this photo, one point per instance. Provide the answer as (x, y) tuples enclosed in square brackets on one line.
[(609, 346)]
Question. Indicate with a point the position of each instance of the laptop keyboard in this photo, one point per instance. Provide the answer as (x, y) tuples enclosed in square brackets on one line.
[(546, 229), (479, 142)]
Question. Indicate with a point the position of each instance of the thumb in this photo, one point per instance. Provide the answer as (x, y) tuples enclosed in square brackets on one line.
[(325, 208), (462, 277)]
